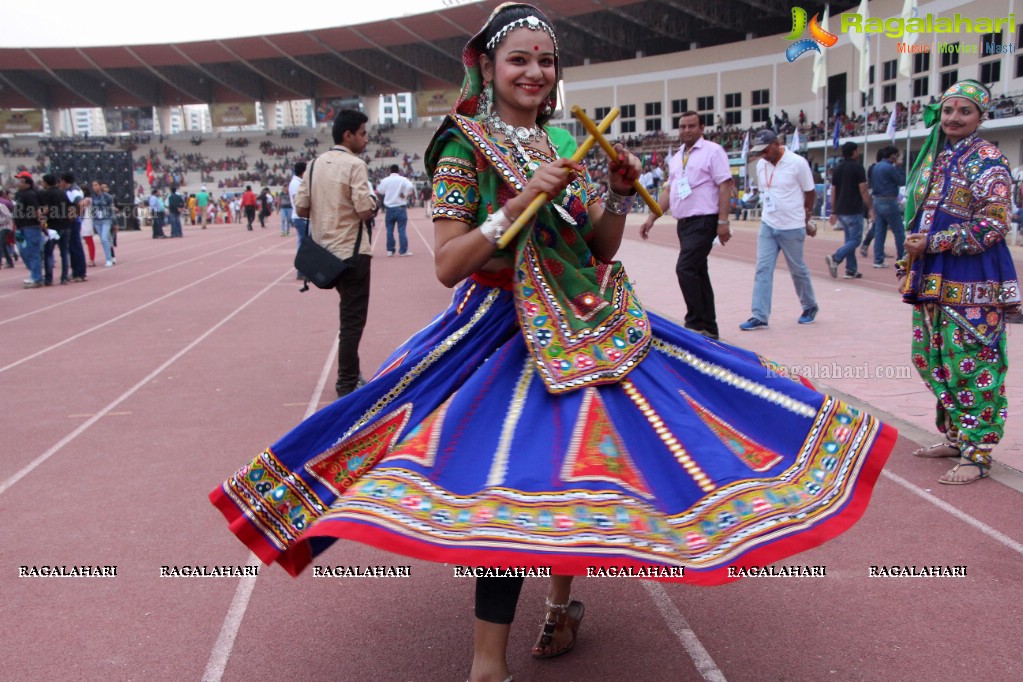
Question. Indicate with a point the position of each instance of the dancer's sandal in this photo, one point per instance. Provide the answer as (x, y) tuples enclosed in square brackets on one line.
[(984, 469), (937, 451), (560, 617)]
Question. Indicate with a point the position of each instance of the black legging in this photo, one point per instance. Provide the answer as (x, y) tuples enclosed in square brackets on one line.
[(496, 599)]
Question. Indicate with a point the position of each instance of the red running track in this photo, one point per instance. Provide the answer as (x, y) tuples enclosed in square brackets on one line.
[(131, 396)]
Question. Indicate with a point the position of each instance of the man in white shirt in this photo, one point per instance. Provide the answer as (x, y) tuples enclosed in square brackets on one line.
[(646, 179), (156, 209), (301, 224), (396, 190), (787, 196)]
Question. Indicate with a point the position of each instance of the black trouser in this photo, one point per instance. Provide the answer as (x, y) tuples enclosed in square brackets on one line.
[(63, 242), (695, 239), (77, 251), (353, 290), (158, 225), (496, 599), (250, 215)]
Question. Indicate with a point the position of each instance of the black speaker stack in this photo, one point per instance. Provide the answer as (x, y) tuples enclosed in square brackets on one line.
[(113, 168)]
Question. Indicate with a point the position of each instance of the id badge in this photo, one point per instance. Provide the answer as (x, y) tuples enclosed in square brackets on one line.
[(682, 189), (768, 202)]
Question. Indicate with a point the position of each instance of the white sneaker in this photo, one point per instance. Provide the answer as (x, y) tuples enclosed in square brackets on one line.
[(108, 264), (114, 261), (390, 253), (407, 253)]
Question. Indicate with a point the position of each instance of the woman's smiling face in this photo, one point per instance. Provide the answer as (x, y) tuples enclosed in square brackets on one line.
[(524, 72)]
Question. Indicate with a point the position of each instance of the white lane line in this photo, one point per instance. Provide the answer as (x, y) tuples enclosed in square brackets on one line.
[(225, 641), (420, 233), (705, 665), (217, 662), (31, 466), (94, 292), (133, 310), (992, 533)]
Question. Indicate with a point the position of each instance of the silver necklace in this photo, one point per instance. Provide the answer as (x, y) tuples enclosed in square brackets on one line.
[(521, 134)]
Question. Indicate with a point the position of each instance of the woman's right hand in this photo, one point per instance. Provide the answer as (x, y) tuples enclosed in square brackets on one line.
[(550, 178)]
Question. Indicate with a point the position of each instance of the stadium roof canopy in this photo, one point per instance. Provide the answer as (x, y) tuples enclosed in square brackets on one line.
[(405, 54)]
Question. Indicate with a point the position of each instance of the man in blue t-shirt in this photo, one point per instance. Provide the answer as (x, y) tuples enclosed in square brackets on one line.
[(885, 181)]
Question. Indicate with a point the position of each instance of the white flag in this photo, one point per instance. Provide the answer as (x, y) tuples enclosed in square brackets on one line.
[(795, 140), (820, 62), (861, 41), (745, 147), (891, 126), (909, 11)]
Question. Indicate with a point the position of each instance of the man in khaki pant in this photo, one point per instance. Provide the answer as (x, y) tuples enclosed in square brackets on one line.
[(202, 202)]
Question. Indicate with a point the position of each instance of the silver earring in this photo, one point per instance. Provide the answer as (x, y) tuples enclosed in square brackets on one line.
[(547, 108), (486, 98)]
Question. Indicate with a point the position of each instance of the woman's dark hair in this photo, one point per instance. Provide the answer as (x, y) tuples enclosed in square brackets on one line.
[(507, 16)]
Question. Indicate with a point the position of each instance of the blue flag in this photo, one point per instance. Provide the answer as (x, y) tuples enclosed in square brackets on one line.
[(834, 140)]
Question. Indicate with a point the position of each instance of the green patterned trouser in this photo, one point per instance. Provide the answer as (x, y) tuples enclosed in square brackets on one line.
[(966, 376)]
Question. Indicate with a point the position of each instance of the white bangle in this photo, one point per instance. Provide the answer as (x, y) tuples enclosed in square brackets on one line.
[(494, 226)]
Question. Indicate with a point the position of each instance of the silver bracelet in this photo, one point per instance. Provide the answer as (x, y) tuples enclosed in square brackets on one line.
[(494, 226), (617, 204)]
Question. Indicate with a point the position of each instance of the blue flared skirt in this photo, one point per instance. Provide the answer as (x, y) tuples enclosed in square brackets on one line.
[(704, 456)]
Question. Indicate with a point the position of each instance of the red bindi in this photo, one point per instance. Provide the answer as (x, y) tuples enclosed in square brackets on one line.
[(536, 48)]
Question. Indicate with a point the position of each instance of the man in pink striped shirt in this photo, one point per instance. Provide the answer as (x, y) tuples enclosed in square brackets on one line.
[(698, 191)]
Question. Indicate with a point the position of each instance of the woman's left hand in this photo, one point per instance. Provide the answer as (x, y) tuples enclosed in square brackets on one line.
[(623, 171), (916, 245)]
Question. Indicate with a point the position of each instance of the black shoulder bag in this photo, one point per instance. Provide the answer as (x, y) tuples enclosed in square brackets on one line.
[(317, 264)]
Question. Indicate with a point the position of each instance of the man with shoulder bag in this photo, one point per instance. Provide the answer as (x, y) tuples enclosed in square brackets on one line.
[(336, 198)]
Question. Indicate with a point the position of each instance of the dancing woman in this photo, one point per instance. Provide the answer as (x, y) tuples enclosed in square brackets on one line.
[(545, 418)]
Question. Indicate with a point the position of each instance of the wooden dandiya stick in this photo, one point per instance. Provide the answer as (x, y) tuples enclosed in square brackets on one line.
[(541, 198), (592, 129), (907, 283)]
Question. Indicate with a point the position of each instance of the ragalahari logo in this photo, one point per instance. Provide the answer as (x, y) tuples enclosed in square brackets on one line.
[(818, 36)]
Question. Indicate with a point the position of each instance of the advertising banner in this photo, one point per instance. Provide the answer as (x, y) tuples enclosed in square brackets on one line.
[(128, 119), (18, 121), (435, 102), (327, 108), (235, 114)]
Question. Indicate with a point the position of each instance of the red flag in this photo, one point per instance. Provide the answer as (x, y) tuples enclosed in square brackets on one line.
[(149, 170)]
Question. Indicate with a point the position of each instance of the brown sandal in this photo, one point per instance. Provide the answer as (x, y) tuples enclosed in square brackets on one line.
[(559, 617), (937, 451), (983, 469)]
